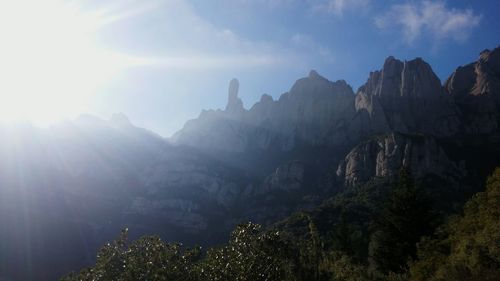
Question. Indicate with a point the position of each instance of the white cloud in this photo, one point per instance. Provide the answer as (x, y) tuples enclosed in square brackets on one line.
[(174, 36), (429, 18), (182, 39), (338, 7)]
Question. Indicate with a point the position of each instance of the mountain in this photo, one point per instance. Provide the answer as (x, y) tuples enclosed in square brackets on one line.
[(313, 112), (400, 103), (68, 189), (383, 156), (407, 97), (475, 88)]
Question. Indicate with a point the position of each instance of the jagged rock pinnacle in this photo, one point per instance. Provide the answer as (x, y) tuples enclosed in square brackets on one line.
[(234, 86), (234, 103)]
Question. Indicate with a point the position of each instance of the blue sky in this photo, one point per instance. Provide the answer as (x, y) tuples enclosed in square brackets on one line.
[(190, 49)]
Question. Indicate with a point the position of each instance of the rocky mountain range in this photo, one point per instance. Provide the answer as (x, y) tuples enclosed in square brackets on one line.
[(401, 116), (76, 184)]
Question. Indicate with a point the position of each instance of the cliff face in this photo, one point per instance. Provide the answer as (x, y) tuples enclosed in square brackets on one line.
[(384, 156), (289, 176), (476, 90), (404, 96), (481, 78), (315, 111), (407, 97)]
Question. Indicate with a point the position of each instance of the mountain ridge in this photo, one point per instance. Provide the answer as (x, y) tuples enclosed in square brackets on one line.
[(259, 164), (404, 96)]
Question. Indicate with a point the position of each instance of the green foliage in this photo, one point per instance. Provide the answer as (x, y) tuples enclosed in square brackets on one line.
[(147, 258), (250, 255), (341, 267), (365, 233), (467, 247), (405, 218)]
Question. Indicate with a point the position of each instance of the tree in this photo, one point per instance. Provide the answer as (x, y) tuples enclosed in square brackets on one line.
[(404, 219), (146, 259), (465, 248), (468, 246), (251, 255)]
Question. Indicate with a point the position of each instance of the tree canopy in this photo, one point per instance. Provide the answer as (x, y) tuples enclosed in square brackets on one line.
[(385, 231)]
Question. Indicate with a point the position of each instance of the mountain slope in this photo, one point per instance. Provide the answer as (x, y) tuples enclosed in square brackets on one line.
[(78, 183)]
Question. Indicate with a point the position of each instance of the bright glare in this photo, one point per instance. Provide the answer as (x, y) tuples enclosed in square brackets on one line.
[(50, 64)]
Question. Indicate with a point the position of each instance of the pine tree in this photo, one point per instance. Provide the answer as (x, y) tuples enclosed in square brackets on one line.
[(404, 219)]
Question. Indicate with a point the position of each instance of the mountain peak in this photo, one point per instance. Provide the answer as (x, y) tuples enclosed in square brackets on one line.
[(484, 52), (234, 86), (120, 120), (478, 78), (390, 59), (403, 79), (418, 62), (408, 93), (266, 98), (313, 74), (234, 103), (492, 58)]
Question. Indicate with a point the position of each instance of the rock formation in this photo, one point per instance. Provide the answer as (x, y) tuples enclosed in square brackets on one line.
[(384, 156), (315, 111), (234, 105), (289, 176), (476, 90), (407, 97)]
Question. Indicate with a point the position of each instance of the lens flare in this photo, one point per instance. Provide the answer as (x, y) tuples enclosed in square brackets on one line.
[(50, 62)]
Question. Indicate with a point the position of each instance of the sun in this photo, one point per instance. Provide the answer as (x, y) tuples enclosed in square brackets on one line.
[(50, 63)]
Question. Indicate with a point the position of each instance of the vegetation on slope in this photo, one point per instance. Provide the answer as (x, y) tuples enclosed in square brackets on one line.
[(381, 231)]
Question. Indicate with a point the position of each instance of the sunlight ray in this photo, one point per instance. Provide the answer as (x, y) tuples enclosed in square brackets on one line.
[(51, 62)]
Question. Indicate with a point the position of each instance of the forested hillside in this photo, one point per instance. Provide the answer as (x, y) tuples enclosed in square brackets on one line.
[(396, 232)]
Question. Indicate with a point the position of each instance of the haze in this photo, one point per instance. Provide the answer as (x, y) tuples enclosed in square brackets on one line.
[(162, 61)]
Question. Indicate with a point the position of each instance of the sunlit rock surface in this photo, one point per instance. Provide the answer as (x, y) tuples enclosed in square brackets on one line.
[(384, 156), (407, 97)]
